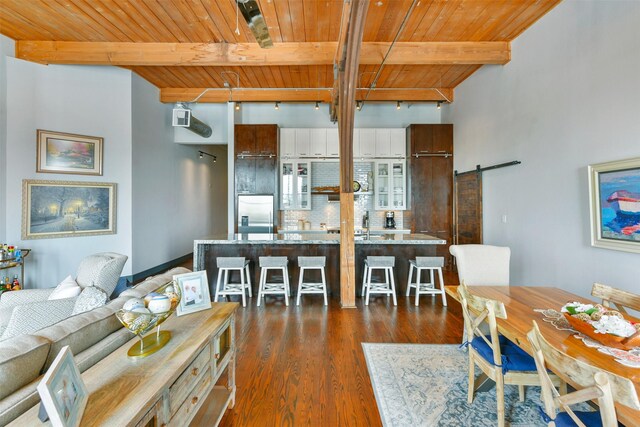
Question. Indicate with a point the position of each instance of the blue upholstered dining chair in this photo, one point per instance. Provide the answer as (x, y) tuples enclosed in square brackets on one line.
[(498, 358), (595, 384)]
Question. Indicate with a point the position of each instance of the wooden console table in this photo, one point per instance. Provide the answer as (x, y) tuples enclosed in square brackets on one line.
[(192, 377)]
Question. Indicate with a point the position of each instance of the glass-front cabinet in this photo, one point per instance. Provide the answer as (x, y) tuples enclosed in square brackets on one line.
[(390, 187), (295, 185)]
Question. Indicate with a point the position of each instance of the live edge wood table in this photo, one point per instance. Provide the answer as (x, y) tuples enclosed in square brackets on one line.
[(520, 301), (190, 381), (252, 246)]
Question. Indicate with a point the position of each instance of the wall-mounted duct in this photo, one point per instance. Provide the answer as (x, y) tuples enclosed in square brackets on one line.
[(182, 117)]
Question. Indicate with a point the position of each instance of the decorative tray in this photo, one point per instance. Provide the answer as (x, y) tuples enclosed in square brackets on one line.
[(594, 320)]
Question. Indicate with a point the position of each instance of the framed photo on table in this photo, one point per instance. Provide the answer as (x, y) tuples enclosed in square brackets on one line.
[(59, 152), (195, 292), (614, 189), (62, 391)]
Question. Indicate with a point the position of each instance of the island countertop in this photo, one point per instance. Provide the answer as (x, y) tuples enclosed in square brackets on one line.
[(321, 239), (403, 247)]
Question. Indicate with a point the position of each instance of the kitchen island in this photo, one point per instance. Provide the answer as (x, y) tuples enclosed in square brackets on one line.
[(251, 246)]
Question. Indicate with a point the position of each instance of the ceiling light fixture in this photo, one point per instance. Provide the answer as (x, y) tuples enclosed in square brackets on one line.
[(358, 105), (398, 105), (238, 106), (277, 106), (317, 107), (438, 105), (203, 153)]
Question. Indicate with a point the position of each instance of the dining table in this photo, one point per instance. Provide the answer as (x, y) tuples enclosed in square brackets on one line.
[(521, 302)]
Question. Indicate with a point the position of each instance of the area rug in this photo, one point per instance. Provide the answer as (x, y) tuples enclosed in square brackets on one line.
[(426, 385)]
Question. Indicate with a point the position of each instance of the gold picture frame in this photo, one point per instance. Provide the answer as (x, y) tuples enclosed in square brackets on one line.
[(59, 152), (52, 209)]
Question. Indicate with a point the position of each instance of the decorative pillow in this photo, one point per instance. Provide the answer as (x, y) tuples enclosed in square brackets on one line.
[(68, 288), (90, 298)]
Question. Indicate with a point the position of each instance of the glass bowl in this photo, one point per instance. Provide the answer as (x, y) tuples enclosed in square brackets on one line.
[(140, 322)]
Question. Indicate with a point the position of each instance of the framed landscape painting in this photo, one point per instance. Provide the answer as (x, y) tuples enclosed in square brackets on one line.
[(68, 153), (615, 205), (67, 209)]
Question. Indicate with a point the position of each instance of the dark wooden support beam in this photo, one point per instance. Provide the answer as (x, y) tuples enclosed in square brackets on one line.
[(344, 106)]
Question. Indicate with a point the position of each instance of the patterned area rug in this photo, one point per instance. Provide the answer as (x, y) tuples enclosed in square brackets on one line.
[(426, 385)]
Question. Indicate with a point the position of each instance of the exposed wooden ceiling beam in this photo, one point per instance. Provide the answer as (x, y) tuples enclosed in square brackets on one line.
[(172, 94), (224, 54)]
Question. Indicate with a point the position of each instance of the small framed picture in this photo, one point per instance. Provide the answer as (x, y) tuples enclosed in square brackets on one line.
[(62, 391), (59, 152), (195, 292)]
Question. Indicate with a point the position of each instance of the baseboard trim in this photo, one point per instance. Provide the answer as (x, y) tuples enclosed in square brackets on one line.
[(138, 277)]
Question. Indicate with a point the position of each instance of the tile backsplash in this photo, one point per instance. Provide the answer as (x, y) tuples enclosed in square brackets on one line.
[(327, 173)]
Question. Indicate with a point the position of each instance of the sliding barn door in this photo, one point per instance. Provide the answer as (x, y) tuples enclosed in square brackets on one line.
[(468, 208)]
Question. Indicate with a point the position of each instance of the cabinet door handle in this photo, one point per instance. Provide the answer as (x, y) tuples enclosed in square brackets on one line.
[(194, 400), (194, 371), (217, 356)]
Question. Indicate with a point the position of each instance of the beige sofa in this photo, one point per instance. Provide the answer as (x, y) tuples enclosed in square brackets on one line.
[(91, 336)]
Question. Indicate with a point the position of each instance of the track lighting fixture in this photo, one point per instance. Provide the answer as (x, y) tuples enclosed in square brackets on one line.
[(398, 105), (317, 107), (358, 105), (438, 105), (277, 106), (238, 106), (202, 154)]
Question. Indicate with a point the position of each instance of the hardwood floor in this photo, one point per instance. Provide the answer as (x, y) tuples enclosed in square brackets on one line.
[(305, 366)]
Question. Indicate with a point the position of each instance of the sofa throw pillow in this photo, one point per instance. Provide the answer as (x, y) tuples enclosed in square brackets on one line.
[(68, 288), (91, 297)]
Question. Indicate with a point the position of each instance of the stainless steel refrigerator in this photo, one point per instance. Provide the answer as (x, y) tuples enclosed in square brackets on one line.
[(255, 213)]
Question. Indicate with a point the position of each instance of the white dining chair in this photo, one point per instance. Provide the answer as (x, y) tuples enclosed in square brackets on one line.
[(482, 265)]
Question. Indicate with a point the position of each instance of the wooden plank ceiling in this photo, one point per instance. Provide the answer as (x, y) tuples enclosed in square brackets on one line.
[(184, 46)]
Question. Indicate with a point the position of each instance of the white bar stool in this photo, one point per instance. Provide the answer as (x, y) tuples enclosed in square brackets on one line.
[(312, 263), (224, 288), (388, 287), (274, 288), (431, 264)]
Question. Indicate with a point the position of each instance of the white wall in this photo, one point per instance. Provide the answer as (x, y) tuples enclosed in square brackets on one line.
[(176, 195), (569, 97), (6, 50), (85, 100)]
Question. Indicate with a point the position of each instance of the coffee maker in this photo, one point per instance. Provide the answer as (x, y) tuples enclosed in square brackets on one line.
[(389, 221)]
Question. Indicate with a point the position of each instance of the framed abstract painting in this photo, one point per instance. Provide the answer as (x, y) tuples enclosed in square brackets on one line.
[(59, 152), (615, 205)]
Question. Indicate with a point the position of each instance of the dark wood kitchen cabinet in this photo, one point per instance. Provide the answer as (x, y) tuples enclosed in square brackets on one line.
[(256, 160), (256, 139), (431, 183)]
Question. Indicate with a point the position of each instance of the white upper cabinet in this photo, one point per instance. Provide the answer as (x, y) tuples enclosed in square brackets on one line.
[(367, 143), (333, 143), (303, 139), (398, 142), (383, 142), (356, 143), (318, 145), (287, 143)]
